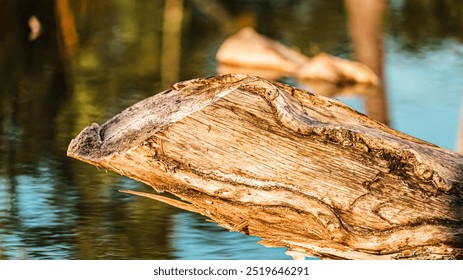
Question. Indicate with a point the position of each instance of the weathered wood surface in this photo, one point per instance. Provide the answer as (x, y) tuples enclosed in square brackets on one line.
[(296, 169)]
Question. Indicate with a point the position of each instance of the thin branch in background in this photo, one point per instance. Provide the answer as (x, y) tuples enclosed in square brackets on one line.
[(171, 42), (459, 147), (67, 26)]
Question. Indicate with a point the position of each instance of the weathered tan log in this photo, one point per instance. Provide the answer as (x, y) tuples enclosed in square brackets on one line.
[(296, 169)]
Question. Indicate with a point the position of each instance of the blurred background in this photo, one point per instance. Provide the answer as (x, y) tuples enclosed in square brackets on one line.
[(68, 63)]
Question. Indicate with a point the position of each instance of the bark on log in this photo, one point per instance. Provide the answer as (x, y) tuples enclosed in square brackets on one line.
[(296, 169)]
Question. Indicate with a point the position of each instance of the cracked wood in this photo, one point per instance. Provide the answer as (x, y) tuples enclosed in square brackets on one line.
[(296, 169)]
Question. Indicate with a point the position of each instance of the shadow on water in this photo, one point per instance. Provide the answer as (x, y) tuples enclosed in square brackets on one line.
[(50, 208), (33, 89), (94, 58)]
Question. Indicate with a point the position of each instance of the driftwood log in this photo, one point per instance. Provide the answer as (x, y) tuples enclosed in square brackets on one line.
[(296, 169), (250, 52)]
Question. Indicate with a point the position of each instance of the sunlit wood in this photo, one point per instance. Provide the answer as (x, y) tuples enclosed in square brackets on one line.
[(296, 169), (250, 52)]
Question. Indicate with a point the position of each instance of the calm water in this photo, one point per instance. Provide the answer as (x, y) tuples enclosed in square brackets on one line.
[(94, 58)]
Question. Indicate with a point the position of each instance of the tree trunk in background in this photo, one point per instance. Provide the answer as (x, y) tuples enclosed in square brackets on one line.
[(459, 144), (171, 41), (367, 40), (296, 169), (68, 31)]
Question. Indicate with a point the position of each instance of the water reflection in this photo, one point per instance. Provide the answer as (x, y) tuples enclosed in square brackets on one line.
[(193, 239), (94, 58), (437, 20)]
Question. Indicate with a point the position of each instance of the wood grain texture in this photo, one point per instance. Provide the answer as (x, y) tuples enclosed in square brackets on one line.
[(296, 169)]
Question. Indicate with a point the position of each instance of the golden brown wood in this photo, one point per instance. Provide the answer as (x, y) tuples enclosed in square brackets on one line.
[(296, 169)]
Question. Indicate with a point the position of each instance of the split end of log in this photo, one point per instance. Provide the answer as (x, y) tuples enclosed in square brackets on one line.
[(86, 144)]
